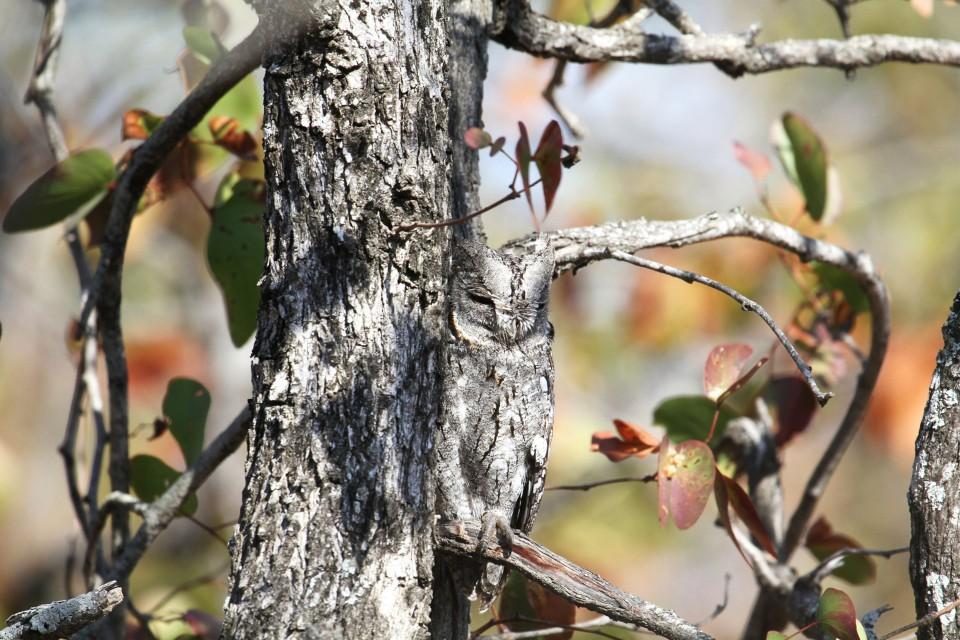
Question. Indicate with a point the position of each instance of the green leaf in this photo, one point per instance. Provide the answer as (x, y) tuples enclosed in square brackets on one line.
[(831, 278), (203, 43), (809, 161), (837, 615), (151, 476), (76, 184), (689, 417), (185, 406), (775, 635), (235, 252)]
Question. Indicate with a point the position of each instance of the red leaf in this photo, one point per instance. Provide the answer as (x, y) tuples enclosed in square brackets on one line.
[(523, 166), (477, 138), (795, 405), (633, 442), (723, 367), (684, 480), (743, 507), (497, 146), (547, 157), (757, 163), (635, 435)]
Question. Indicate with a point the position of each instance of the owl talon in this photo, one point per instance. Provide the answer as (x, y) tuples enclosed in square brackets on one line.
[(495, 532)]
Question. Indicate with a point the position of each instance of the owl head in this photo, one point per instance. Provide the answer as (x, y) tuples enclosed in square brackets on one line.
[(499, 297)]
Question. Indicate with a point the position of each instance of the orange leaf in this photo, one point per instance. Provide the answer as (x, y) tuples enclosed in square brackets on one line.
[(633, 442), (228, 134)]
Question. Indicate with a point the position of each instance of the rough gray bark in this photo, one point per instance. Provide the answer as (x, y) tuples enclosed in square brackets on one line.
[(934, 494), (334, 537), (64, 617)]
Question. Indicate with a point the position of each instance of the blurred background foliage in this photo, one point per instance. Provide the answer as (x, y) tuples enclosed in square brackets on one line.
[(659, 144)]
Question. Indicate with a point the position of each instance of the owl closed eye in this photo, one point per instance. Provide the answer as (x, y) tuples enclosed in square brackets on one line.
[(500, 297)]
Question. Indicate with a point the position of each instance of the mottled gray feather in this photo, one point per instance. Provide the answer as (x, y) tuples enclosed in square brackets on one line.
[(497, 415)]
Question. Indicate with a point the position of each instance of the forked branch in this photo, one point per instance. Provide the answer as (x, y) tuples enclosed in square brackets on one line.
[(578, 247), (737, 54)]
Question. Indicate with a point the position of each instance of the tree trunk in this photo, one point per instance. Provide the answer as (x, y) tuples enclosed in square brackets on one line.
[(361, 120), (935, 492)]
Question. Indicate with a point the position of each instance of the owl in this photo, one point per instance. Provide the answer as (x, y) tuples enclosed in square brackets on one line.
[(497, 413)]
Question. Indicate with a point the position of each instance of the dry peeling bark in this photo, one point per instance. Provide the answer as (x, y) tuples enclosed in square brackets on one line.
[(935, 492), (334, 539)]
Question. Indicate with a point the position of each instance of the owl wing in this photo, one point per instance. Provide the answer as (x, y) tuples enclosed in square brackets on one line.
[(528, 504)]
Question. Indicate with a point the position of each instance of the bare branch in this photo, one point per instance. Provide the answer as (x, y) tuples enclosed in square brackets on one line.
[(64, 617), (745, 303), (578, 247), (568, 117), (578, 585), (40, 91), (600, 483), (675, 15), (538, 35), (924, 621), (835, 560), (550, 628)]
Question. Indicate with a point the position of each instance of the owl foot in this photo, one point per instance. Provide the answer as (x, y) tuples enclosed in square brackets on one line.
[(495, 531)]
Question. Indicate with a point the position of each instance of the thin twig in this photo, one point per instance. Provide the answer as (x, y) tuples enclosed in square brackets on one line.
[(745, 303), (513, 195), (568, 118), (601, 483), (549, 628), (200, 580), (924, 621), (40, 93), (143, 619), (208, 529), (831, 562)]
